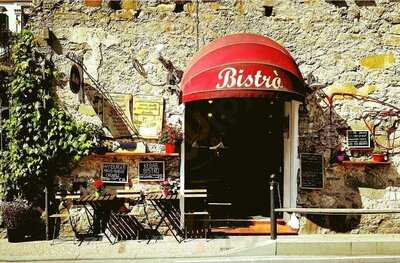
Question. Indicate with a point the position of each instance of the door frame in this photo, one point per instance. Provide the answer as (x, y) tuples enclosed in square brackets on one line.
[(291, 160)]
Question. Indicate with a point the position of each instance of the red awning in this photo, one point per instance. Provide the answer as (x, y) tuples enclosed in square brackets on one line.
[(242, 65)]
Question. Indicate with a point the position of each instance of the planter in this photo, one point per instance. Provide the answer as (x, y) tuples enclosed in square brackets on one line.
[(340, 157), (93, 3), (170, 148), (15, 235), (378, 157)]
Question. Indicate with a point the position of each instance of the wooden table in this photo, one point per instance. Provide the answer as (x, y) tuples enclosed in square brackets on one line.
[(104, 216)]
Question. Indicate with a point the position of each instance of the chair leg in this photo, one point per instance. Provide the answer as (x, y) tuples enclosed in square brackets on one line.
[(54, 230)]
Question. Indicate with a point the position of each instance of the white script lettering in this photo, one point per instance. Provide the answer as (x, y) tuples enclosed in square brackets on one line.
[(231, 77)]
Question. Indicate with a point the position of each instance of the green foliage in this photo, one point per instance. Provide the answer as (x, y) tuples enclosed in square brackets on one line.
[(44, 141)]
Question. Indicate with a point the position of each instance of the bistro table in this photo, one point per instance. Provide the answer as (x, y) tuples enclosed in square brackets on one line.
[(103, 215), (101, 210), (168, 212)]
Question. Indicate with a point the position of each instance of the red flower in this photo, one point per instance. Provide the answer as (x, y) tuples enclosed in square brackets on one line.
[(171, 134), (98, 184)]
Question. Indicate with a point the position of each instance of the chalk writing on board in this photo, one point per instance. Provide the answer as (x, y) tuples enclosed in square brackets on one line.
[(152, 170), (114, 173), (312, 171), (358, 139)]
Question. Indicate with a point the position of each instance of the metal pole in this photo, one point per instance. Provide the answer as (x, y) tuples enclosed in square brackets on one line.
[(46, 208), (272, 185)]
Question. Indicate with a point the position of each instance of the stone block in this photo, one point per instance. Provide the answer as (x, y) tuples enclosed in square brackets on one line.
[(130, 4), (341, 88), (380, 61), (190, 8), (357, 125), (395, 29), (316, 248), (366, 90), (360, 248), (392, 41), (388, 248), (372, 193), (266, 249)]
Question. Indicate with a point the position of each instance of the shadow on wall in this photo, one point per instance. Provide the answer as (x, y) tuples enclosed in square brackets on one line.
[(342, 182)]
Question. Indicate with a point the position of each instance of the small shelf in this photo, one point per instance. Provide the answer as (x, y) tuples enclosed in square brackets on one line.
[(365, 163), (134, 154)]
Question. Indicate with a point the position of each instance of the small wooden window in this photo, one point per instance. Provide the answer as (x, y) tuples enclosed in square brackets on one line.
[(115, 4), (268, 10)]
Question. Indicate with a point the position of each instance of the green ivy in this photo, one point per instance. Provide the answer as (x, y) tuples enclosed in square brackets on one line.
[(44, 141)]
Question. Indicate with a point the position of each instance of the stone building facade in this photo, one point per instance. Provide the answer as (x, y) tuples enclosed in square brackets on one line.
[(340, 46)]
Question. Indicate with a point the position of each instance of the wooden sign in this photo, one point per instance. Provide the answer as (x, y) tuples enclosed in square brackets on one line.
[(358, 139), (151, 171), (112, 120), (148, 116), (312, 171), (114, 173)]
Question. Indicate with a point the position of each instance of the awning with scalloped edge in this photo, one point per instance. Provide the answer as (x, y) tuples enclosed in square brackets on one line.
[(242, 65)]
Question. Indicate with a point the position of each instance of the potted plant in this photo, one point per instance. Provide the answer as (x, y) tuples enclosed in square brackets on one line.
[(340, 154), (15, 216), (98, 186), (378, 155), (170, 186), (170, 137)]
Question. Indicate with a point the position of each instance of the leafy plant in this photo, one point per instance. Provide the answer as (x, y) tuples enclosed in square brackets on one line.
[(171, 134), (377, 150), (44, 141), (15, 214)]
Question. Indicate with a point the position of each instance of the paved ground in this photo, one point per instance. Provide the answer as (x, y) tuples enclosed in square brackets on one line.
[(310, 248)]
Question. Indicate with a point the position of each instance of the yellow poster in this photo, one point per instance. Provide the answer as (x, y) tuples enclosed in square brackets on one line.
[(111, 118), (148, 116)]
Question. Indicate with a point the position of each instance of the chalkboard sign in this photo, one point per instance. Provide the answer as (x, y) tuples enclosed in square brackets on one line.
[(151, 170), (312, 171), (358, 139), (114, 173)]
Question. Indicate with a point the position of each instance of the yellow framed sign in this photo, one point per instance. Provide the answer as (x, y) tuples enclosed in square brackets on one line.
[(148, 114)]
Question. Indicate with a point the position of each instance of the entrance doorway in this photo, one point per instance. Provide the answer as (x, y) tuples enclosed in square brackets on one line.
[(231, 148)]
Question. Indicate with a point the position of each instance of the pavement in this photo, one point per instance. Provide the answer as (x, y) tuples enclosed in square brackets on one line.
[(305, 248)]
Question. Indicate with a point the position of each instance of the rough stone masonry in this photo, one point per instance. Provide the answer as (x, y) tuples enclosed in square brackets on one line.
[(348, 46)]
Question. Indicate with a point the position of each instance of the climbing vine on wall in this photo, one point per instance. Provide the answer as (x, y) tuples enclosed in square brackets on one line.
[(44, 141)]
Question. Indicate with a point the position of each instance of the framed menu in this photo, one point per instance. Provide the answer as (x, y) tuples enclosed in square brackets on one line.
[(151, 171), (148, 116), (358, 139), (312, 171), (114, 173)]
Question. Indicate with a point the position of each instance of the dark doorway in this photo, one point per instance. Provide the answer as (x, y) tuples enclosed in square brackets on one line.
[(245, 137)]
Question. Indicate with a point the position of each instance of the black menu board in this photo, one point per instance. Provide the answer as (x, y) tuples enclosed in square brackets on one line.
[(312, 171), (151, 170), (115, 173), (358, 139)]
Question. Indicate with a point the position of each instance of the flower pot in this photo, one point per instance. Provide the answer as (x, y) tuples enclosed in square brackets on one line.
[(93, 3), (15, 235), (340, 157), (378, 157), (170, 148)]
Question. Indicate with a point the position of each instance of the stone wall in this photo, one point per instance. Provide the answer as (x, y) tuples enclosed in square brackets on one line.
[(347, 46)]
